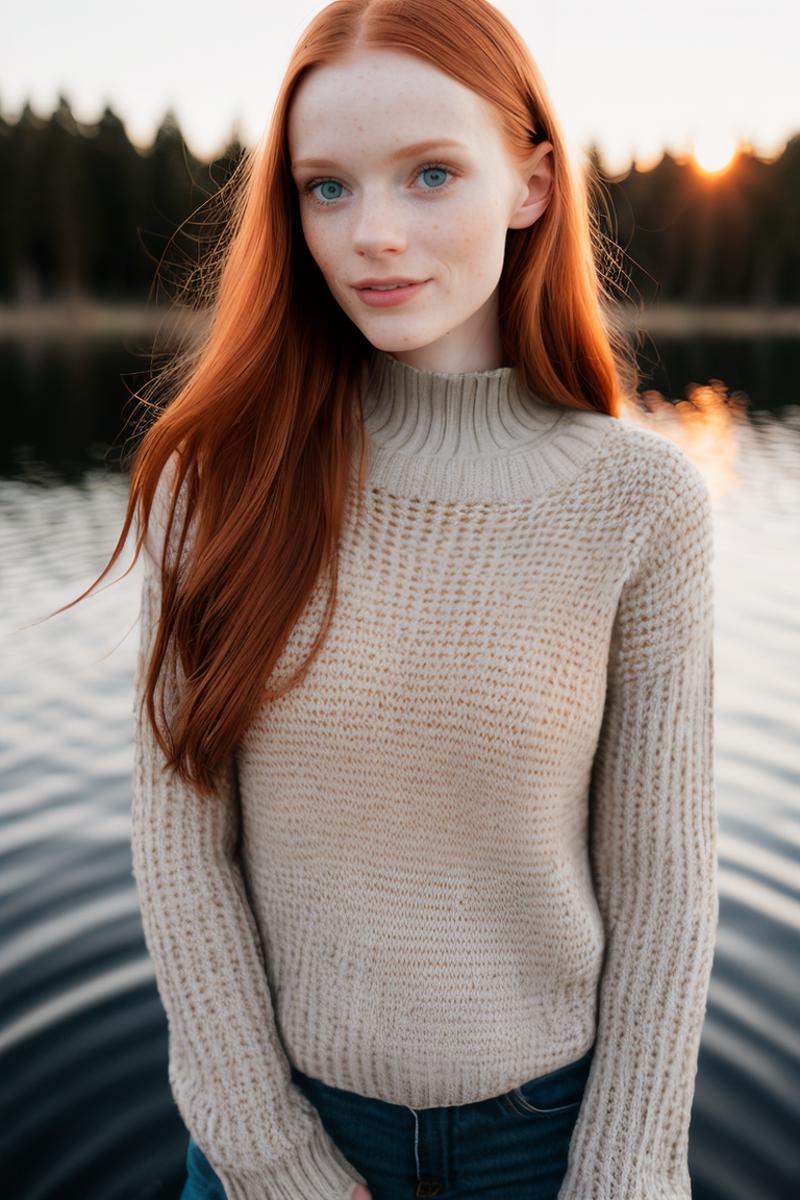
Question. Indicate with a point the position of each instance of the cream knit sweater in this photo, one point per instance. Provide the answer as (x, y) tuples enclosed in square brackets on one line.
[(483, 829)]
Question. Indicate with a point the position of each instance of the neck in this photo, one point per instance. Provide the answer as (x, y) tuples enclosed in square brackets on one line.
[(469, 435)]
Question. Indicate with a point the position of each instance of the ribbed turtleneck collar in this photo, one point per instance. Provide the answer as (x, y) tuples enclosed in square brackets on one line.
[(469, 435)]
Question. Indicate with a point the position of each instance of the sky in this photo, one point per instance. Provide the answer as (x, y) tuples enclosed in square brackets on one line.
[(629, 76)]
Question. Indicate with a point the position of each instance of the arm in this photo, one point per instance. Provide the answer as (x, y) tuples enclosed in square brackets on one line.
[(228, 1072), (653, 847)]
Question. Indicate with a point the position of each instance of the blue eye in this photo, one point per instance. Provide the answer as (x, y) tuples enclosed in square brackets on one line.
[(326, 183), (436, 169)]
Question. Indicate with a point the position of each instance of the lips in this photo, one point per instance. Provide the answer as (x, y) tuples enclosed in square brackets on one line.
[(389, 282), (384, 297)]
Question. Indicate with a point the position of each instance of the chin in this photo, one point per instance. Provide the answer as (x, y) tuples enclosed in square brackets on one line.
[(392, 342)]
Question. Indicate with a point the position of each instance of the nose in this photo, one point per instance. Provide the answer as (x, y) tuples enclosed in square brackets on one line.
[(378, 226)]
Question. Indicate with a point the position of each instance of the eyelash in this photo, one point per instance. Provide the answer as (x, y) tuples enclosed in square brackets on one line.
[(308, 188)]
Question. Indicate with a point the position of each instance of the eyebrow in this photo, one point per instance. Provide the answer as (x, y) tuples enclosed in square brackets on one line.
[(403, 152)]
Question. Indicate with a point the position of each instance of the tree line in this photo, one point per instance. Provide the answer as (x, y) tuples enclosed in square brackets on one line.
[(86, 214)]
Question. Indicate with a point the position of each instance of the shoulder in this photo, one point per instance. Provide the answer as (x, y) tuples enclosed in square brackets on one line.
[(664, 512), (642, 499), (649, 472)]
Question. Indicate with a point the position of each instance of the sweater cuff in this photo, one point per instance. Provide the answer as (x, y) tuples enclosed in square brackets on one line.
[(318, 1172)]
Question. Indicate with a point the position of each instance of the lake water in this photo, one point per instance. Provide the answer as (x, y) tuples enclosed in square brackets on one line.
[(88, 1114)]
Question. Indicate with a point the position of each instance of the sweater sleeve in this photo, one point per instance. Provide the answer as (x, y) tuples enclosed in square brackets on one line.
[(228, 1071), (653, 851)]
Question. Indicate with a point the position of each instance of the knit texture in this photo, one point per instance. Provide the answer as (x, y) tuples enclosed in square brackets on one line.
[(482, 832)]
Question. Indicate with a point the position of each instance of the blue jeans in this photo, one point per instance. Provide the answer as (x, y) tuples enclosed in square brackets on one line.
[(514, 1145)]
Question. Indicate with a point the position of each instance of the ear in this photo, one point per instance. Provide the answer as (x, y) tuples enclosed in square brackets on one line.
[(537, 180)]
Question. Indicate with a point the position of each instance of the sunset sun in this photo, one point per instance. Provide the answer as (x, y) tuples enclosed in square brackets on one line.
[(714, 152)]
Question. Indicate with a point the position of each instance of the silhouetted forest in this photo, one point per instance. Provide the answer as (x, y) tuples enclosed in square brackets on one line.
[(86, 214)]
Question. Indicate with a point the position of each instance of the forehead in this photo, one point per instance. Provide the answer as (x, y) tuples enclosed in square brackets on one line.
[(378, 100)]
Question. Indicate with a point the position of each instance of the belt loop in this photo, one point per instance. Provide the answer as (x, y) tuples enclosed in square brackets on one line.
[(416, 1136)]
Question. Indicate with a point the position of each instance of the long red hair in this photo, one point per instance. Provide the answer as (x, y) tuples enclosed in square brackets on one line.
[(252, 448)]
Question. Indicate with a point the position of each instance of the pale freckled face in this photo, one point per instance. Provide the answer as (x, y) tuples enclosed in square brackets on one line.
[(440, 215)]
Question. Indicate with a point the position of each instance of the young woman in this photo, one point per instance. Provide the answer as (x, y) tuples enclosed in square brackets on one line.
[(424, 827)]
